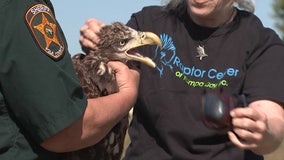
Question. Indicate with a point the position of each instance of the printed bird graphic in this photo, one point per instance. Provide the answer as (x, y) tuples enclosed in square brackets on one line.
[(117, 43)]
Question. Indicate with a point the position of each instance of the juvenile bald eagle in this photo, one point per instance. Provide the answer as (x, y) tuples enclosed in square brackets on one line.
[(117, 42)]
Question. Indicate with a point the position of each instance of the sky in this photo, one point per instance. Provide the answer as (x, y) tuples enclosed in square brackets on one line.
[(72, 14)]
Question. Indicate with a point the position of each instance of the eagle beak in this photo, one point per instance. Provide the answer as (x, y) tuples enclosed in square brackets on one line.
[(142, 39), (151, 39)]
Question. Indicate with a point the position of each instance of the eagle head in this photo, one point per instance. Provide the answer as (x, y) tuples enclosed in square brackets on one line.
[(118, 42)]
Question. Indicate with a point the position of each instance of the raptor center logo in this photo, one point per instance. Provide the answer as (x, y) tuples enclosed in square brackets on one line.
[(43, 26), (194, 76)]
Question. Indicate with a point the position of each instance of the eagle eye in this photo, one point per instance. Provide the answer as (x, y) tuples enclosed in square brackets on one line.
[(122, 43)]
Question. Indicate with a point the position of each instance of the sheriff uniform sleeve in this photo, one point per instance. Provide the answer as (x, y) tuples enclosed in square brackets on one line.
[(36, 73)]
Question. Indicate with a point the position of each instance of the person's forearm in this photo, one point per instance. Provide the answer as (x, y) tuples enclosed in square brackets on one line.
[(275, 129), (100, 116)]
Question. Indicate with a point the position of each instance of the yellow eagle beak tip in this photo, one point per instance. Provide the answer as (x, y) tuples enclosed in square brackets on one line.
[(152, 64), (154, 38)]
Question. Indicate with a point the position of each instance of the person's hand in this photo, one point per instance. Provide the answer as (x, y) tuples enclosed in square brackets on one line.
[(257, 127), (88, 34), (127, 78), (101, 114), (249, 127)]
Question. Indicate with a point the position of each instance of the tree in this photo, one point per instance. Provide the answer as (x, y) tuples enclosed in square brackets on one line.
[(278, 7)]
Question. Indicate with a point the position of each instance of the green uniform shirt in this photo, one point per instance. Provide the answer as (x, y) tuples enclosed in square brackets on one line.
[(39, 92)]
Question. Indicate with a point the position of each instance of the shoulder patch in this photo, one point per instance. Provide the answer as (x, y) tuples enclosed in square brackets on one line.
[(44, 29)]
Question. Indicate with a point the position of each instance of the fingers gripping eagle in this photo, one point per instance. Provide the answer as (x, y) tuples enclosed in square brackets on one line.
[(117, 43)]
